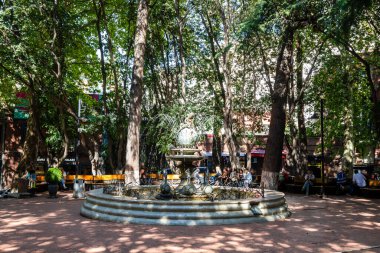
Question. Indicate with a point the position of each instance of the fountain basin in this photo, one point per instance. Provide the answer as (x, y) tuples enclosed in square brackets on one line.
[(143, 210)]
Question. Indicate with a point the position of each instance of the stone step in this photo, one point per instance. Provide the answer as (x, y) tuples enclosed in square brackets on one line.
[(174, 215), (179, 222), (172, 212)]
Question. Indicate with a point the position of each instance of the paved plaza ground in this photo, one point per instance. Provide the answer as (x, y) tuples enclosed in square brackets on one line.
[(333, 224)]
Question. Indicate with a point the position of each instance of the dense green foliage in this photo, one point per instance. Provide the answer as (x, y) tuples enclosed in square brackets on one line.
[(58, 52)]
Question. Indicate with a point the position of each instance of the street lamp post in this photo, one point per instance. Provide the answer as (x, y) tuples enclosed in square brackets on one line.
[(316, 117), (322, 152), (78, 184), (2, 153)]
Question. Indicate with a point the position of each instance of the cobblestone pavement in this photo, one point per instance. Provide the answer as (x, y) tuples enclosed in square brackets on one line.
[(333, 224)]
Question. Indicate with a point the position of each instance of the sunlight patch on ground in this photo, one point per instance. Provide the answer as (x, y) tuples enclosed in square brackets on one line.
[(151, 236), (127, 230), (335, 246), (45, 243), (303, 248), (234, 230), (354, 247), (310, 229), (367, 214), (96, 249), (295, 220), (284, 245), (361, 200), (370, 223), (261, 234), (64, 223), (123, 239), (360, 226), (9, 230), (20, 222), (32, 231), (52, 214), (8, 247), (214, 246)]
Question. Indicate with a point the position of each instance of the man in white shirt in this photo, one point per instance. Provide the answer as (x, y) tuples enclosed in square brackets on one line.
[(247, 178), (358, 181)]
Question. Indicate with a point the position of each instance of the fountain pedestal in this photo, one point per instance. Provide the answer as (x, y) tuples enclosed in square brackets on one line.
[(185, 159)]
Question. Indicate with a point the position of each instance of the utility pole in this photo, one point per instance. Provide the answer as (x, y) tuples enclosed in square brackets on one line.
[(322, 153), (2, 149), (78, 184)]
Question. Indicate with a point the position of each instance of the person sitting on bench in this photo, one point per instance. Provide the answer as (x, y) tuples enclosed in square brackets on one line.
[(247, 178), (309, 178), (340, 181), (358, 182)]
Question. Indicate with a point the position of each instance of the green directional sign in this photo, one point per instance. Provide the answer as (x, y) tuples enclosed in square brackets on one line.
[(20, 113)]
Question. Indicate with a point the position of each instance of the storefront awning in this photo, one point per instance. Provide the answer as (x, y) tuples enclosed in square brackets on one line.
[(261, 153)]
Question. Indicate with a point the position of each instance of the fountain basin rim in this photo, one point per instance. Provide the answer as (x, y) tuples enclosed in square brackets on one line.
[(269, 196), (127, 210)]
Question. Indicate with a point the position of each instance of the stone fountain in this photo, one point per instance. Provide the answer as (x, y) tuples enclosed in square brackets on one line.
[(185, 205)]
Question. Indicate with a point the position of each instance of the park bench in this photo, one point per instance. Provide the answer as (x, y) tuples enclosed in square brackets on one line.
[(93, 182), (90, 180)]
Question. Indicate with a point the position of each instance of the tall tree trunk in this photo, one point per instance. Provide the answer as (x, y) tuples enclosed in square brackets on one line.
[(35, 139), (348, 152), (292, 142), (31, 144), (111, 53), (227, 116), (99, 9), (272, 160), (98, 13), (302, 136), (120, 127), (180, 23), (216, 148), (226, 87), (249, 155), (218, 106), (65, 135), (375, 76), (136, 93), (57, 50), (91, 143), (120, 153)]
